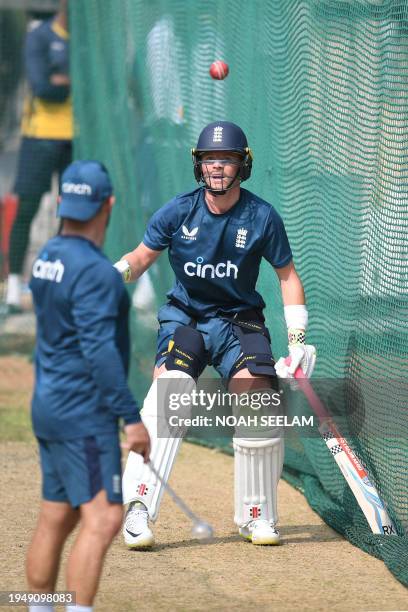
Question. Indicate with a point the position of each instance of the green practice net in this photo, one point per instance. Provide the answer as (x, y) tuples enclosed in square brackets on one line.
[(321, 89)]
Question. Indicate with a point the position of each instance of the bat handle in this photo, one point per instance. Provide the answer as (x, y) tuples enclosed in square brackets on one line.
[(312, 397), (299, 372)]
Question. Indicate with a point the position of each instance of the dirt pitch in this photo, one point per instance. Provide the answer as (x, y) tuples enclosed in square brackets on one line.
[(314, 569)]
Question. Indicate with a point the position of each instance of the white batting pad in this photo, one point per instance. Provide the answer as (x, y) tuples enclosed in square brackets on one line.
[(258, 467), (139, 482)]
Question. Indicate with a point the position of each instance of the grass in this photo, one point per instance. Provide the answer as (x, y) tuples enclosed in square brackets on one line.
[(15, 425), (16, 344), (15, 399)]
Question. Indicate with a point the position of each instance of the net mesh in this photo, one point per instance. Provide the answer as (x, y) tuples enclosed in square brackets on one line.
[(320, 87)]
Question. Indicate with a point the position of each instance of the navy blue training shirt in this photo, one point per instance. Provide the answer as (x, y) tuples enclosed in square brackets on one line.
[(47, 53), (82, 349), (216, 257)]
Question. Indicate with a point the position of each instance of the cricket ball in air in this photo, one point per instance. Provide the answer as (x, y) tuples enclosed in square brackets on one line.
[(219, 70)]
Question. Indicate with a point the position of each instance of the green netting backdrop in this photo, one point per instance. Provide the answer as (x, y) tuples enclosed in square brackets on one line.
[(321, 89)]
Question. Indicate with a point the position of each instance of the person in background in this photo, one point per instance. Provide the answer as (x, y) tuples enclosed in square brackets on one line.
[(46, 132)]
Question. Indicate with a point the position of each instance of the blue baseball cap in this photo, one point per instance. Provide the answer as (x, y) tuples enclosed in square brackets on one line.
[(85, 185)]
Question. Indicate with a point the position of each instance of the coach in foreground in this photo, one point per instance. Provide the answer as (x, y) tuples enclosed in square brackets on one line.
[(80, 391)]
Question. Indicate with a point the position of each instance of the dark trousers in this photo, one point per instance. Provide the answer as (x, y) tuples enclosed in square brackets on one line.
[(38, 160)]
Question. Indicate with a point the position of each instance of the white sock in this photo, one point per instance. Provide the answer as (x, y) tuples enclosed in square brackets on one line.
[(41, 608), (14, 289), (79, 608)]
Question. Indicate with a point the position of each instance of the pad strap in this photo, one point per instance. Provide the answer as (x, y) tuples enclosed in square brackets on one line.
[(254, 338), (186, 352)]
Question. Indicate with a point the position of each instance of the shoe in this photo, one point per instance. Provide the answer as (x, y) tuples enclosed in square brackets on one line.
[(260, 532), (136, 531)]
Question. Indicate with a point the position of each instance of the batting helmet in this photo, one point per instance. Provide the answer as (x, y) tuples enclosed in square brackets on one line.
[(223, 136)]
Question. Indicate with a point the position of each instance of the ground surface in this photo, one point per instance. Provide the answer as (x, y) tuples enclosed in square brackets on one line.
[(314, 569)]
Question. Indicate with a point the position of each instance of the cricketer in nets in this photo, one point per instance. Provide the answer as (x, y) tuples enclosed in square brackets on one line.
[(216, 237)]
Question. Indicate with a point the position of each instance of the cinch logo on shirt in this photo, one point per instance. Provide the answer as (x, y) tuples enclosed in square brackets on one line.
[(77, 188), (187, 235), (220, 270), (48, 270)]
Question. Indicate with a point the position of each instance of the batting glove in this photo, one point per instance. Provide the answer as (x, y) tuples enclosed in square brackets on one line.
[(300, 355), (125, 270)]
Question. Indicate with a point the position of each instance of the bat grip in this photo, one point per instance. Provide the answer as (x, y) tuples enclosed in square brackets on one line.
[(312, 397), (299, 372)]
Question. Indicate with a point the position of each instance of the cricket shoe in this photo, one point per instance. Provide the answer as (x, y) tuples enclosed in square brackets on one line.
[(136, 529), (260, 532)]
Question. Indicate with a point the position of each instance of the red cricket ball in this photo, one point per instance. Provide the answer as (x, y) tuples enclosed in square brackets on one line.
[(219, 70)]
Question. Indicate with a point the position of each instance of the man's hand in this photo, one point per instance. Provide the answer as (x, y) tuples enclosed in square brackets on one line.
[(303, 355), (123, 267), (132, 265), (137, 440), (298, 356)]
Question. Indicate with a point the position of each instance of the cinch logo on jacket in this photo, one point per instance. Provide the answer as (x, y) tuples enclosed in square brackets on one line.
[(220, 270), (48, 270)]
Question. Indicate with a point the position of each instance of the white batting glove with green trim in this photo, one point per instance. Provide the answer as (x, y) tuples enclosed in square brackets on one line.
[(125, 270)]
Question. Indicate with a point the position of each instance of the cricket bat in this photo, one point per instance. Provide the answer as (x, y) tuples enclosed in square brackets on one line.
[(353, 471)]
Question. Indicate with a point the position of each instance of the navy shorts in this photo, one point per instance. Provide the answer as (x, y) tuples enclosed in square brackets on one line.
[(37, 162), (220, 340), (74, 471)]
